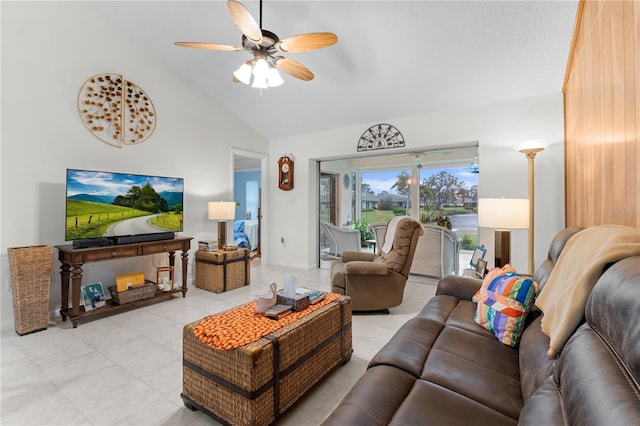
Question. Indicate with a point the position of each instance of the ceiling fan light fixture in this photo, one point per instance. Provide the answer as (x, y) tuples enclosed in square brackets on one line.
[(261, 69), (264, 44), (243, 73), (274, 79), (260, 83)]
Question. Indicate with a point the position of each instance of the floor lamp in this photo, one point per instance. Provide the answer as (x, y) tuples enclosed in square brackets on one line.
[(503, 214), (222, 211), (530, 149)]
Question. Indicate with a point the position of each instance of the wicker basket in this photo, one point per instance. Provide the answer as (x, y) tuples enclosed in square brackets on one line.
[(137, 293), (30, 269)]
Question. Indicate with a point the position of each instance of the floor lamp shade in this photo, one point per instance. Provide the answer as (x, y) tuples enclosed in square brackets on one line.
[(503, 214), (222, 211)]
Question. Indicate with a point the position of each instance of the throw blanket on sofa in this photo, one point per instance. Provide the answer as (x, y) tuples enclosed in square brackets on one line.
[(582, 261)]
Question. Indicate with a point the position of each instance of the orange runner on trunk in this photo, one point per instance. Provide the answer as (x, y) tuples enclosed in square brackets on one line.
[(243, 325)]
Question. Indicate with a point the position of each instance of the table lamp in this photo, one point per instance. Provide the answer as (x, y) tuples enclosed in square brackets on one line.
[(503, 214), (222, 211)]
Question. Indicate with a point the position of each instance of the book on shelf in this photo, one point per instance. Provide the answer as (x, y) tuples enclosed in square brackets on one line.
[(315, 296), (278, 311)]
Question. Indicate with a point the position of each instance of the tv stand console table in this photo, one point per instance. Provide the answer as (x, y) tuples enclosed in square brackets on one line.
[(72, 260)]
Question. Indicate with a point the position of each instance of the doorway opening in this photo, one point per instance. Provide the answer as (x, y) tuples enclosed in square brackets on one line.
[(428, 185), (248, 181)]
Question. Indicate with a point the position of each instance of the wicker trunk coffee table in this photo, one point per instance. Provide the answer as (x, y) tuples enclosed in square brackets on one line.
[(253, 384)]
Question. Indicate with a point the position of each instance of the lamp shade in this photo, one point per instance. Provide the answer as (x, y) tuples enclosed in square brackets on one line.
[(503, 213), (222, 210), (532, 145)]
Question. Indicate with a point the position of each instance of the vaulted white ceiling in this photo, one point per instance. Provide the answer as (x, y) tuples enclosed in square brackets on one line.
[(393, 58)]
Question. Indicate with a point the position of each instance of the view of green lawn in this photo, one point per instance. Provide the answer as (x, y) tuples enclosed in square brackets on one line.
[(469, 238)]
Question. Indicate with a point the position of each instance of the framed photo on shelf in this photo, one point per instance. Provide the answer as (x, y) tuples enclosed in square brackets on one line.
[(481, 268), (93, 296), (478, 254)]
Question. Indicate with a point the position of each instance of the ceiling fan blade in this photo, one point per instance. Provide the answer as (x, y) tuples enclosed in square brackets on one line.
[(294, 68), (308, 41), (208, 46), (245, 21)]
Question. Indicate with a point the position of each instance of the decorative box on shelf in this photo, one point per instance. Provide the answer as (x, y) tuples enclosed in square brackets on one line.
[(126, 281), (143, 291), (219, 271)]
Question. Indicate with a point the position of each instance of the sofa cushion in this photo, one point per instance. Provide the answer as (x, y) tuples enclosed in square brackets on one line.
[(612, 310), (544, 407), (595, 379), (503, 302), (449, 354), (535, 364), (374, 399), (431, 404)]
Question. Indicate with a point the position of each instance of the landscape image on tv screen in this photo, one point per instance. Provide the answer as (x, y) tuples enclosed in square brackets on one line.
[(104, 204)]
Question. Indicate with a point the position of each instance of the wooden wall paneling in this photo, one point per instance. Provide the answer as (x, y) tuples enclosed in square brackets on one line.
[(602, 115), (616, 13), (608, 143), (632, 146)]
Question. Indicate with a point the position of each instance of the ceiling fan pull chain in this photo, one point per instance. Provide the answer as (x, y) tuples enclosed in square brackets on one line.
[(260, 14)]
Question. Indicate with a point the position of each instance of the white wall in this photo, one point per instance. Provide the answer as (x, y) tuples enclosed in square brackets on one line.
[(49, 49), (503, 171)]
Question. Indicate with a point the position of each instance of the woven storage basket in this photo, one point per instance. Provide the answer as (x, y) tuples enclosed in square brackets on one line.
[(137, 293), (220, 271), (30, 269), (254, 384)]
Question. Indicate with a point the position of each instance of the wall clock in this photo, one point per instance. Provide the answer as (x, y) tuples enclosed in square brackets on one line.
[(380, 136), (285, 173), (115, 110)]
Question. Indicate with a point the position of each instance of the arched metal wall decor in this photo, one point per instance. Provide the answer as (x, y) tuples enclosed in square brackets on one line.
[(380, 136)]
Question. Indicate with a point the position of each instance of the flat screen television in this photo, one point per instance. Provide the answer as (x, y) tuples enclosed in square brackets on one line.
[(105, 204)]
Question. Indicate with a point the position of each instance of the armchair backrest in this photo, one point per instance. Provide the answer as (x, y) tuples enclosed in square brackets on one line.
[(405, 239)]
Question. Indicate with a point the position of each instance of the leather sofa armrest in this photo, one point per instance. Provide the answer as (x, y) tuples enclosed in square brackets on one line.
[(365, 268), (458, 286), (350, 256)]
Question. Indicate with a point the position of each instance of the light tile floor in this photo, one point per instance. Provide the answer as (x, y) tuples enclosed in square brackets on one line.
[(126, 369)]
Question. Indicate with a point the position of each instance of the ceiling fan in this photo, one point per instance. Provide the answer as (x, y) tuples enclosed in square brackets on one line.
[(266, 48)]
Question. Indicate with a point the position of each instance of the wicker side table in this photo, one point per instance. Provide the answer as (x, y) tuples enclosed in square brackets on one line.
[(220, 271)]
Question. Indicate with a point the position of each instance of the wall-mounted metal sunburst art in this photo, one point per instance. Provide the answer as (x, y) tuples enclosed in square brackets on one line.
[(380, 136), (115, 110)]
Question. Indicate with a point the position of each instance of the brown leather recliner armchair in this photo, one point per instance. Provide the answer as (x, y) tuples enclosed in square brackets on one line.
[(376, 281)]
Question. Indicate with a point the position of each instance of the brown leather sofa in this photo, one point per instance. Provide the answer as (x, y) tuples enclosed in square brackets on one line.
[(441, 368)]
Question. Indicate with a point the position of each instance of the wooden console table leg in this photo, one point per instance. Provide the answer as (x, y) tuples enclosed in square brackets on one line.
[(65, 274), (76, 282), (185, 264)]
